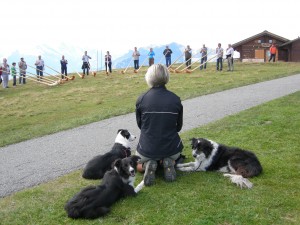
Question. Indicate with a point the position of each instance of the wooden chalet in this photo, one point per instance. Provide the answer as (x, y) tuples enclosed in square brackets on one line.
[(256, 48)]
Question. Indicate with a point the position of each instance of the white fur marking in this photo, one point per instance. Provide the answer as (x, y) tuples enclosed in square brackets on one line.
[(139, 186), (124, 141), (206, 162), (224, 169), (231, 170)]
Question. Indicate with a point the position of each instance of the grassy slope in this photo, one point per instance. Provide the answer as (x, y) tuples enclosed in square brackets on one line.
[(270, 130), (34, 110)]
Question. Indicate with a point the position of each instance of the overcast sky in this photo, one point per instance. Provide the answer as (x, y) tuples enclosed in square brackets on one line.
[(119, 25)]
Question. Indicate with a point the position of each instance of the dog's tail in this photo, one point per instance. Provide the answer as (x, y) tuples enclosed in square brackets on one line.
[(239, 180)]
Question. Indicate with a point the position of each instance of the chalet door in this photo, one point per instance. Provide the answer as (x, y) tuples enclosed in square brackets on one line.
[(259, 54)]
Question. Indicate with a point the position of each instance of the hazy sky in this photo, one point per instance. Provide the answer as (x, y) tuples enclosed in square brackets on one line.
[(119, 25)]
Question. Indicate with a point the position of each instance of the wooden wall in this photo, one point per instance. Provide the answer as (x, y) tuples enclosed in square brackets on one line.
[(259, 44), (295, 51)]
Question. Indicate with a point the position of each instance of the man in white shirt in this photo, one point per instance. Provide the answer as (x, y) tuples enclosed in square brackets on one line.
[(39, 67), (219, 52), (86, 64), (136, 58), (229, 57)]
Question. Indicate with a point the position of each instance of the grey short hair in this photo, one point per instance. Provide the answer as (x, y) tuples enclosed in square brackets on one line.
[(157, 75)]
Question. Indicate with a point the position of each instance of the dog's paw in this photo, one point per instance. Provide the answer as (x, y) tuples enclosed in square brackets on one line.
[(139, 186), (179, 165)]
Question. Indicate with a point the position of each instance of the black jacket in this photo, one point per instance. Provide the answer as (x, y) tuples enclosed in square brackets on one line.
[(159, 115)]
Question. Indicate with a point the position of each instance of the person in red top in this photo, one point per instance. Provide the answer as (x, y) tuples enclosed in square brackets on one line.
[(272, 52)]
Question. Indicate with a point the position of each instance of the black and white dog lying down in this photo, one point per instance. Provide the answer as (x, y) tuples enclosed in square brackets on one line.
[(237, 164), (97, 166), (95, 201)]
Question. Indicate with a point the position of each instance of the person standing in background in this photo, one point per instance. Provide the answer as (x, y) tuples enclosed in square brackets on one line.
[(85, 63), (272, 52), (136, 58), (151, 55), (229, 57), (13, 71), (167, 52), (63, 63), (203, 52), (219, 52), (22, 68), (39, 67), (108, 62), (5, 73), (188, 56)]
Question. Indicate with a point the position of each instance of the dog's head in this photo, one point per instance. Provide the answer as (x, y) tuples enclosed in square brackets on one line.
[(124, 137), (126, 167), (202, 145)]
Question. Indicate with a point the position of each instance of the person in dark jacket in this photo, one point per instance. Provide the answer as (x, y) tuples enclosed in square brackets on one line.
[(63, 63), (159, 115)]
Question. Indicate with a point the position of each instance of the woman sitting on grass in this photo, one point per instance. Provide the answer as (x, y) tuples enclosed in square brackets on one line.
[(159, 115)]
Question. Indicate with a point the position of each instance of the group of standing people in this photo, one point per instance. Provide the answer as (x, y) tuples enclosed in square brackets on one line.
[(229, 57), (188, 57), (6, 70)]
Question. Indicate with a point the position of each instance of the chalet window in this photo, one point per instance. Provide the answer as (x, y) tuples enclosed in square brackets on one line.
[(259, 41), (270, 41)]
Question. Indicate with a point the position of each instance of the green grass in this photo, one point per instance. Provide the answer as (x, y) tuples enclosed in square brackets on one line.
[(34, 110), (270, 130)]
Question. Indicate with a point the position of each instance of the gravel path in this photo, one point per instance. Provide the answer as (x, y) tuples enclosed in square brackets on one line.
[(35, 161)]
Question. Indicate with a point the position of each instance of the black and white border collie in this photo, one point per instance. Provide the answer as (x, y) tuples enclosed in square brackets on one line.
[(97, 166), (237, 164), (95, 201)]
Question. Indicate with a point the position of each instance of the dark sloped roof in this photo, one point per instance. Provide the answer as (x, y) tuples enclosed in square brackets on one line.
[(259, 35), (289, 42)]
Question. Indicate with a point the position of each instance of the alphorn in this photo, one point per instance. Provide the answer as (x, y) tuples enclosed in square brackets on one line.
[(169, 67), (124, 71), (180, 71), (189, 71), (44, 72), (45, 79), (65, 77), (41, 82), (190, 59), (136, 71)]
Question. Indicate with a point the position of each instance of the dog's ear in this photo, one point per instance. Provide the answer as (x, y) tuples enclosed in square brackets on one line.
[(206, 147), (117, 163), (193, 141)]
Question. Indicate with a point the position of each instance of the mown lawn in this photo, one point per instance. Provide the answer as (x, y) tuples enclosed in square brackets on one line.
[(34, 110), (270, 130)]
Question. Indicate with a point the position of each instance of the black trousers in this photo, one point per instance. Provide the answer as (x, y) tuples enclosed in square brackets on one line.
[(109, 66), (220, 63), (203, 60), (136, 64), (63, 71), (273, 56), (188, 62)]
